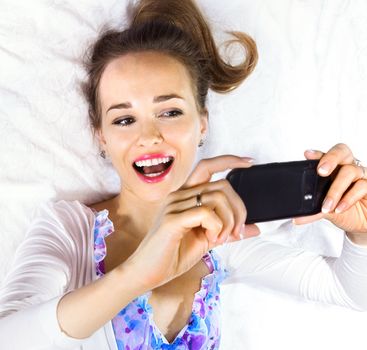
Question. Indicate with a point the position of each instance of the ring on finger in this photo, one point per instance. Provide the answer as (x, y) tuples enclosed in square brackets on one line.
[(199, 203), (364, 174), (357, 162)]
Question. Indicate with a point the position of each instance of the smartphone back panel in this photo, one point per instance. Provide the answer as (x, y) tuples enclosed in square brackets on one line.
[(280, 190)]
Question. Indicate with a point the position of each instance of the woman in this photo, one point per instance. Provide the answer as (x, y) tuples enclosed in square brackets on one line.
[(140, 271)]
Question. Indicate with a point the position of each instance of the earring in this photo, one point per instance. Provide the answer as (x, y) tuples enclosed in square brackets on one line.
[(103, 154), (201, 143)]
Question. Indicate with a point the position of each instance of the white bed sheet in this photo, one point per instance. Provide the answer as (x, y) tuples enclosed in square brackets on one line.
[(309, 90)]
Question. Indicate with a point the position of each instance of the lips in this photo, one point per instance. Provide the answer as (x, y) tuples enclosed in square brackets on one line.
[(152, 168)]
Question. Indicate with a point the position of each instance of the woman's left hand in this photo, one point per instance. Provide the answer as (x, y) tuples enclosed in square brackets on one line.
[(345, 204)]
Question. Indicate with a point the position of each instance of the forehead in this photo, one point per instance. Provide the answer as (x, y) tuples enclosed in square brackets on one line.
[(144, 74)]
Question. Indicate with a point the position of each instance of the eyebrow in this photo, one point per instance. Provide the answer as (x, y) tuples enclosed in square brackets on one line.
[(156, 99)]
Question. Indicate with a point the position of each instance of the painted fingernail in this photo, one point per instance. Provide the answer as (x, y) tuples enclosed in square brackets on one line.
[(341, 207), (326, 206), (324, 169)]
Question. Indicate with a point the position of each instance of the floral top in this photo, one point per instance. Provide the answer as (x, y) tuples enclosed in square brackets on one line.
[(134, 326)]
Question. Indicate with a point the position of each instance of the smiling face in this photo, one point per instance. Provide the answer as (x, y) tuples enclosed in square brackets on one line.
[(151, 125)]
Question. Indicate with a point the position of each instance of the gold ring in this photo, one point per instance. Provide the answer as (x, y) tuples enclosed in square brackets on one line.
[(199, 203)]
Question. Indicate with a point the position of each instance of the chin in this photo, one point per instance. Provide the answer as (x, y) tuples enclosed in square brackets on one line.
[(153, 196)]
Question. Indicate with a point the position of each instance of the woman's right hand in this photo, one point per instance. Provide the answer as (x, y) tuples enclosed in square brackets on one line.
[(183, 231)]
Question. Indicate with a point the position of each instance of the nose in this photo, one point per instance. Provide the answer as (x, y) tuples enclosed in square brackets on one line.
[(149, 135)]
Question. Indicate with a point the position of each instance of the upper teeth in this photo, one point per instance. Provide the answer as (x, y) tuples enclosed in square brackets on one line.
[(150, 162)]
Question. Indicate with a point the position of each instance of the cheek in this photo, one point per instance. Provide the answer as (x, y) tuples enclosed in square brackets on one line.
[(185, 139), (117, 145), (187, 133), (117, 136)]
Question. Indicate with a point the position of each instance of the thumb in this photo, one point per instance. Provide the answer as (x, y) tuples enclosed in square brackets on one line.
[(208, 167), (301, 220)]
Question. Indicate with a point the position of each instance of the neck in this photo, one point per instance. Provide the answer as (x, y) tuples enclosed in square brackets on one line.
[(134, 215)]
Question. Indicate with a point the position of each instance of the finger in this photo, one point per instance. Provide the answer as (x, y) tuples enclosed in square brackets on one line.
[(237, 206), (301, 220), (197, 217), (233, 201), (207, 167), (247, 231), (356, 193), (346, 176), (239, 210), (251, 231), (313, 154), (338, 154), (216, 201)]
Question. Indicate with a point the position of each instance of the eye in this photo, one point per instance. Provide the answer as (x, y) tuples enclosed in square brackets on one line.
[(125, 121), (172, 113)]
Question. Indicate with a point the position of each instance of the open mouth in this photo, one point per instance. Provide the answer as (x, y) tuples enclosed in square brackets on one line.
[(155, 168)]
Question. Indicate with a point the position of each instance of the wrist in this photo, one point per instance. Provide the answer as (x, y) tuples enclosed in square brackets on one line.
[(130, 280), (117, 288)]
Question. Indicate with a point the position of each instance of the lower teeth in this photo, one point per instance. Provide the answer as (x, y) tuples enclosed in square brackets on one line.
[(154, 174)]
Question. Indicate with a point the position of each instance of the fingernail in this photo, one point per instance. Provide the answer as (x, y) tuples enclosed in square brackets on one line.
[(311, 150), (341, 207), (248, 159), (223, 240), (242, 232), (324, 169), (326, 206)]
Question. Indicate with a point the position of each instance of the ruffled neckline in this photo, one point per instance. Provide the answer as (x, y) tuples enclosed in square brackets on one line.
[(209, 287), (103, 227), (209, 291)]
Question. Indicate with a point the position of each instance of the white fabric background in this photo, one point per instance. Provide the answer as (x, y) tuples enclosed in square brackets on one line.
[(309, 90)]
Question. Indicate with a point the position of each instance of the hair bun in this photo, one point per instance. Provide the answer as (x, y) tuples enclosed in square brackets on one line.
[(186, 15)]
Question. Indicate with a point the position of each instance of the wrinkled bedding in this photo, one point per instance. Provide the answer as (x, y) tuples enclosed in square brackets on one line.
[(309, 90)]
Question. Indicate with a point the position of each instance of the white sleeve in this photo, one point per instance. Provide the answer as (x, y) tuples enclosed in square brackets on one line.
[(40, 276), (341, 281)]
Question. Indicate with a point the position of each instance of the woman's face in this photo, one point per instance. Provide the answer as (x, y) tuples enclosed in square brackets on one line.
[(151, 126)]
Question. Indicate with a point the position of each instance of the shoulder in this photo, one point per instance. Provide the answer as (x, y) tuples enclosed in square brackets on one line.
[(63, 211), (62, 219), (63, 206)]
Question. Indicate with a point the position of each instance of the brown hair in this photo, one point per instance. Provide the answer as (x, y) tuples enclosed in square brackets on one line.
[(177, 28)]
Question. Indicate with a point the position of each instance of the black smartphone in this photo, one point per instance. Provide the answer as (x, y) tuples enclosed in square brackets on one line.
[(276, 191)]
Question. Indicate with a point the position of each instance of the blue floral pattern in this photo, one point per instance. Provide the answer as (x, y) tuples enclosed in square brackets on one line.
[(134, 326)]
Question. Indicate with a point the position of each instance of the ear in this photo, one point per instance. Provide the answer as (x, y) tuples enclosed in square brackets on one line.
[(100, 137)]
